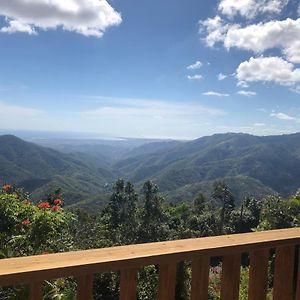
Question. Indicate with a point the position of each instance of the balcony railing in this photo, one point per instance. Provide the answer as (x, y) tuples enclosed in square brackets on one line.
[(33, 270)]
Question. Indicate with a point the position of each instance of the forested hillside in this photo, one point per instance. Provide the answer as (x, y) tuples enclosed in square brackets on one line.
[(251, 165), (41, 169)]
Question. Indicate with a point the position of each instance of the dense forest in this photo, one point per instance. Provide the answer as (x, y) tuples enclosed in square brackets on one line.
[(132, 216), (86, 170)]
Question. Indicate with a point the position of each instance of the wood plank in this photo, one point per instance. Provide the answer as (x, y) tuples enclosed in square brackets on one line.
[(258, 275), (284, 273), (128, 283), (230, 280), (41, 267), (85, 287), (200, 278), (36, 289), (297, 297), (167, 281)]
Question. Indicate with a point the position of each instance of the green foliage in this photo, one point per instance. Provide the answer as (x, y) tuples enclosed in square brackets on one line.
[(130, 217), (123, 213), (225, 199), (279, 213), (153, 227)]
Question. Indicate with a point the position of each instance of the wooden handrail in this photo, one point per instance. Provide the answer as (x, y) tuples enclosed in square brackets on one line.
[(82, 264)]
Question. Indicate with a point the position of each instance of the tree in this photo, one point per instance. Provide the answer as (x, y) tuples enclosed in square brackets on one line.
[(123, 213), (153, 218), (199, 203), (225, 198)]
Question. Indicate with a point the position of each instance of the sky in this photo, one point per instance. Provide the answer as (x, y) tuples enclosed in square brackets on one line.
[(150, 69)]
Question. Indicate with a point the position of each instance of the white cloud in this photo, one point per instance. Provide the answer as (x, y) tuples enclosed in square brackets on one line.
[(273, 69), (259, 124), (215, 28), (246, 93), (17, 26), (250, 8), (87, 17), (9, 110), (282, 116), (195, 66), (262, 36), (295, 89), (221, 76), (115, 107), (211, 93), (195, 77), (145, 118), (242, 84)]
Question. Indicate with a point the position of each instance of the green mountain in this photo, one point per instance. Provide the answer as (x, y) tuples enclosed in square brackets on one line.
[(40, 170), (268, 163), (250, 165)]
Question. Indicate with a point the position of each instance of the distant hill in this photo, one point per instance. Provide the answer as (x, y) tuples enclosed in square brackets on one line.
[(41, 169), (272, 162), (250, 165)]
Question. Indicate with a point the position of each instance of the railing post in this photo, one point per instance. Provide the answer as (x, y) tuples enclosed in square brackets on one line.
[(230, 280), (36, 290), (258, 274), (167, 281), (85, 287), (284, 271), (128, 283), (200, 278)]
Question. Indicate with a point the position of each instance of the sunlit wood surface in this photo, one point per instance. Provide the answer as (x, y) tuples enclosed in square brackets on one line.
[(127, 259)]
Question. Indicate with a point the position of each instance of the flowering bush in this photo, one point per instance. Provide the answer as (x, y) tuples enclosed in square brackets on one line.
[(27, 229), (44, 205)]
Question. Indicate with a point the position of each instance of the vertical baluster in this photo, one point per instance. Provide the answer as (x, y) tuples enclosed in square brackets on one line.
[(298, 277), (85, 287), (128, 283), (284, 271), (230, 281), (258, 275), (167, 281), (36, 290), (200, 277)]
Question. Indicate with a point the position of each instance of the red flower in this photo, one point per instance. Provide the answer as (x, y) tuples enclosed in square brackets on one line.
[(43, 205), (25, 222), (44, 253), (6, 187), (55, 208), (57, 201)]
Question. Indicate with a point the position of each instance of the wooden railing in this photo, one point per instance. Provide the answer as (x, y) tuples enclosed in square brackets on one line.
[(33, 270)]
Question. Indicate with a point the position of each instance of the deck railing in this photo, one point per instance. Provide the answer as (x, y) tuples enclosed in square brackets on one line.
[(33, 270)]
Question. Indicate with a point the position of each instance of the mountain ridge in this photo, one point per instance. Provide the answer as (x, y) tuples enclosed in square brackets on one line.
[(269, 163)]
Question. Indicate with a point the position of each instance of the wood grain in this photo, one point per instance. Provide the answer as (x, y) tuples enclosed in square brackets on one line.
[(284, 272), (167, 281), (230, 280), (85, 287), (200, 278), (128, 283), (258, 274), (41, 267), (36, 290), (297, 296)]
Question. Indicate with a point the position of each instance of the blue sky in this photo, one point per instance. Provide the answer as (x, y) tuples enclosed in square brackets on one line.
[(157, 69)]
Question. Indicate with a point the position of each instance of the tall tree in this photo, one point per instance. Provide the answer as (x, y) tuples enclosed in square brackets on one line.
[(122, 212), (153, 218), (222, 194)]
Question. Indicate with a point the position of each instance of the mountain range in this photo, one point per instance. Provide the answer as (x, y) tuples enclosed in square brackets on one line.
[(250, 165)]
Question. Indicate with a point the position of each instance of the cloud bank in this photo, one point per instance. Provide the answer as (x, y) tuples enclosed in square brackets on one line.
[(86, 17)]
